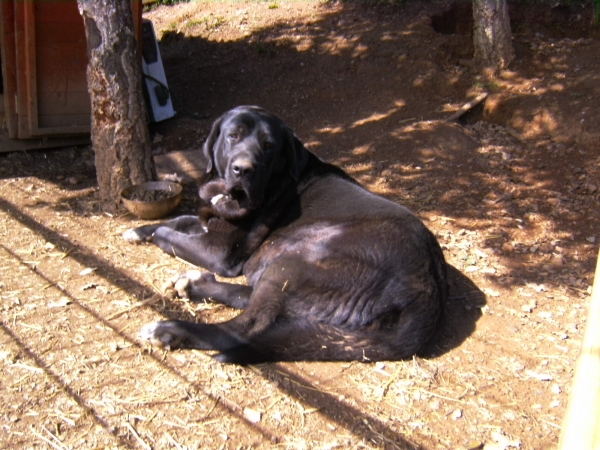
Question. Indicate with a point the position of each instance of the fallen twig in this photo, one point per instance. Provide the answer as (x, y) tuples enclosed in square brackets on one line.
[(467, 106)]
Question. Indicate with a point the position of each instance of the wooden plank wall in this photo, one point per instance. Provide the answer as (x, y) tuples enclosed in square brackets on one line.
[(44, 63), (7, 41)]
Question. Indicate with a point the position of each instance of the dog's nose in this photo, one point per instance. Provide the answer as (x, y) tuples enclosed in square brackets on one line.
[(242, 167)]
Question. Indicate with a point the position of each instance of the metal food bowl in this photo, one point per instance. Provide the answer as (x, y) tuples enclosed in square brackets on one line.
[(152, 200)]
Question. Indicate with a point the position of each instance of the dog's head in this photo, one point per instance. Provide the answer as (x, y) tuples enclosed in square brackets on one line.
[(252, 150)]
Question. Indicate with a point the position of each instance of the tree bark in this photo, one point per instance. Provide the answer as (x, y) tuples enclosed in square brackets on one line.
[(120, 134), (492, 35)]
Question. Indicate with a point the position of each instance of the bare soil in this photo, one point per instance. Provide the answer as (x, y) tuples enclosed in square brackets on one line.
[(511, 192)]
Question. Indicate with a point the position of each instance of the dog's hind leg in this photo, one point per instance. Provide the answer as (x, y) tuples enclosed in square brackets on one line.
[(262, 309), (310, 341), (174, 334), (178, 334)]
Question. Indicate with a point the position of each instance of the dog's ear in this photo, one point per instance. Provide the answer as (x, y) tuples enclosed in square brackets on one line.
[(296, 154), (209, 145)]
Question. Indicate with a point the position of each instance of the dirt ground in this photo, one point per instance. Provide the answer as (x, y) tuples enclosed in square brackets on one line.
[(511, 192)]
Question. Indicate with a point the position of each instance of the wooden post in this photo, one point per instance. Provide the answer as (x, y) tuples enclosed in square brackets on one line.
[(581, 425)]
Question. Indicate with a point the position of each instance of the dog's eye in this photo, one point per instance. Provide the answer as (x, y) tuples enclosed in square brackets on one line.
[(268, 145), (234, 136)]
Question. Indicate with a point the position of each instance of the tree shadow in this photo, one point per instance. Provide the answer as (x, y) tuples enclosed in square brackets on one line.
[(357, 85)]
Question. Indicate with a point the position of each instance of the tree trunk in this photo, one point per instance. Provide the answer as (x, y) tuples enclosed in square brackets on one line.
[(492, 35), (120, 134)]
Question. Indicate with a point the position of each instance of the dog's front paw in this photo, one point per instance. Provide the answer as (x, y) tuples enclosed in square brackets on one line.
[(182, 283), (135, 236), (163, 334)]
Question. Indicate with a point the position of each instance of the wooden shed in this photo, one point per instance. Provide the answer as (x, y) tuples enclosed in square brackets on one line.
[(43, 89)]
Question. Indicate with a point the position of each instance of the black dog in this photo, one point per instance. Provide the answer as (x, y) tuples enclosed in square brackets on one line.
[(335, 272)]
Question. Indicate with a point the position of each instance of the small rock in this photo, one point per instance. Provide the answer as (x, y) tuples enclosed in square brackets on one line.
[(491, 292), (592, 188), (504, 442), (591, 239), (557, 261), (456, 414), (572, 328), (87, 271), (507, 247), (529, 307), (481, 254), (434, 404), (553, 201), (539, 376), (252, 415), (555, 389)]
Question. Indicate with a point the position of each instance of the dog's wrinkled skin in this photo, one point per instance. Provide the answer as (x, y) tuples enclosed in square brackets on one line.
[(335, 272)]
